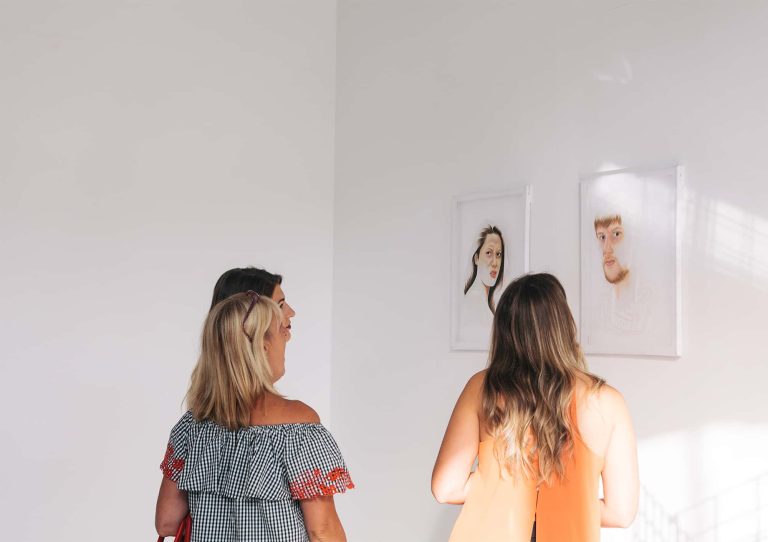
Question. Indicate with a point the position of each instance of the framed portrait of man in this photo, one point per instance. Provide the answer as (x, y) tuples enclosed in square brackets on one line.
[(630, 263), (490, 248)]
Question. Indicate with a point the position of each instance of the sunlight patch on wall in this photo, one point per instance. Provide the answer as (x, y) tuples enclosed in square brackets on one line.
[(704, 485)]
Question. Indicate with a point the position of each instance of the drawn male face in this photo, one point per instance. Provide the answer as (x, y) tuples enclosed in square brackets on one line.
[(610, 237), (488, 260)]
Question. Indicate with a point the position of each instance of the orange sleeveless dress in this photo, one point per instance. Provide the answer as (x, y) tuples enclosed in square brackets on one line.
[(503, 509)]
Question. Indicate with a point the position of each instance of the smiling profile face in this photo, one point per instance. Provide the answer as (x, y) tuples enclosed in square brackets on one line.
[(488, 260), (274, 345), (610, 236), (278, 296)]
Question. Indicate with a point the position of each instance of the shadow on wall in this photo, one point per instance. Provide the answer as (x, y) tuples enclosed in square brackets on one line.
[(734, 240), (736, 514)]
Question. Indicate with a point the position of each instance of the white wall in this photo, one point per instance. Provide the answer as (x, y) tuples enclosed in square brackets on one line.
[(145, 147), (437, 98)]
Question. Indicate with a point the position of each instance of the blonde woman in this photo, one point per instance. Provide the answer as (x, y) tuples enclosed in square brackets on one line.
[(543, 430), (246, 463)]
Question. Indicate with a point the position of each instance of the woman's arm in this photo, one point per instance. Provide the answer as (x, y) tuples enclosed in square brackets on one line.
[(460, 444), (321, 520), (621, 484), (172, 507)]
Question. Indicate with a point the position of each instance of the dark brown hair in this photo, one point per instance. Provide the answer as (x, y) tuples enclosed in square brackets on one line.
[(242, 279)]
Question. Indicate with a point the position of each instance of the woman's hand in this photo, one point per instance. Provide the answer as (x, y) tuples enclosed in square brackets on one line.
[(450, 477)]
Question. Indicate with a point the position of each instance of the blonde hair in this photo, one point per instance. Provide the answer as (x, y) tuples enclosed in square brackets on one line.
[(534, 362), (233, 371)]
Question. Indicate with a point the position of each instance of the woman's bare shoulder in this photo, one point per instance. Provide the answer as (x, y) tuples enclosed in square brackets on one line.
[(599, 410), (477, 380), (301, 412), (279, 410), (606, 400), (610, 397), (473, 391), (614, 404)]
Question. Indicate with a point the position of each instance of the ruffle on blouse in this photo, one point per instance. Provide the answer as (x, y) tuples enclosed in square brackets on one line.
[(270, 462)]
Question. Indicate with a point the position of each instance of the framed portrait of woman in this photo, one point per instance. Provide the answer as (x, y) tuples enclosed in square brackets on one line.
[(490, 247)]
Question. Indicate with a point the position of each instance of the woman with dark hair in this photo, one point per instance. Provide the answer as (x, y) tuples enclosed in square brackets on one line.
[(543, 429), (475, 315), (488, 262), (247, 464), (261, 281)]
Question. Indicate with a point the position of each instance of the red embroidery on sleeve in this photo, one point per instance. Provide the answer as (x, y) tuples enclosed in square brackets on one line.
[(314, 483), (171, 466), (338, 473)]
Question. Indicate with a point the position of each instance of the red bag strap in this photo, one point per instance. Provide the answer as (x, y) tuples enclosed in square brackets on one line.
[(184, 531)]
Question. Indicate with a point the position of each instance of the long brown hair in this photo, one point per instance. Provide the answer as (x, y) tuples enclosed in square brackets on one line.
[(534, 361), (232, 371)]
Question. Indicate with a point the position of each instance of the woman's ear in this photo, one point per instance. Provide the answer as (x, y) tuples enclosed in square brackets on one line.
[(475, 259)]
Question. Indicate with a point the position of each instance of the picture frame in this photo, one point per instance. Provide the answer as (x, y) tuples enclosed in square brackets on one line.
[(631, 291), (475, 287)]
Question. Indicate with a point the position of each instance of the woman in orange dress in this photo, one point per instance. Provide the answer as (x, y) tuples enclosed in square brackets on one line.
[(543, 429)]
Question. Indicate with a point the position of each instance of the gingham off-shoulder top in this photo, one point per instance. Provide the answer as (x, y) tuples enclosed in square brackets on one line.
[(245, 485)]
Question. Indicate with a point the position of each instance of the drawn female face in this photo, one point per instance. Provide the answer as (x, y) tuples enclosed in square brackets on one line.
[(488, 260), (278, 296), (610, 238)]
